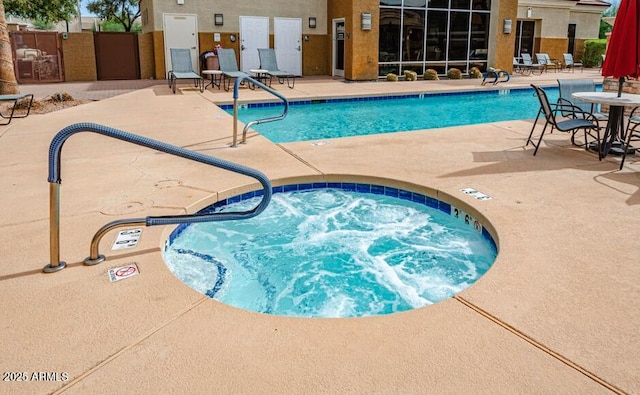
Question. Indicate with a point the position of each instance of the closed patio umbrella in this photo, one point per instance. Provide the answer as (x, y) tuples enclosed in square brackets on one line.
[(623, 53)]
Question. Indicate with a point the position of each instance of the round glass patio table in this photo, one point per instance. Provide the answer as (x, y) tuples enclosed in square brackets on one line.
[(615, 130)]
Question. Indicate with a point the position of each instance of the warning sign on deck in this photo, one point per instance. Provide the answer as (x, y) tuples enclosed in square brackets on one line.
[(127, 239), (122, 272), (476, 194)]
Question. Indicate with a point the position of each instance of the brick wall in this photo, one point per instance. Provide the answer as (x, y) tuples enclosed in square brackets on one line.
[(612, 84), (78, 54), (147, 61)]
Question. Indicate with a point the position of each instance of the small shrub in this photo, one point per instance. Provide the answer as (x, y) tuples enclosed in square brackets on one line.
[(392, 77), (475, 72), (410, 75), (431, 74), (593, 51), (454, 74)]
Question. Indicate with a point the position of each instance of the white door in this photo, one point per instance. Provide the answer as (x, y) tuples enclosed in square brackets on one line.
[(288, 44), (338, 47), (181, 31), (254, 34)]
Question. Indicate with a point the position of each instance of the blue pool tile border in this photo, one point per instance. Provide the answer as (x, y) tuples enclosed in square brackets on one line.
[(228, 107), (345, 186)]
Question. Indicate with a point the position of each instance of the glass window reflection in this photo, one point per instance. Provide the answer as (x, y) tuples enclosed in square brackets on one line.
[(413, 35), (415, 3), (433, 34)]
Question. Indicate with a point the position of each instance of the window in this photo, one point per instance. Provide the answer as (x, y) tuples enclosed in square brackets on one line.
[(434, 34)]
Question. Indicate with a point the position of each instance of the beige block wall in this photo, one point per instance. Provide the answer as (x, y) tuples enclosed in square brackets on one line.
[(78, 54), (361, 46), (365, 42), (502, 45), (147, 60), (555, 47), (232, 11), (314, 55), (341, 9), (158, 50), (587, 23), (552, 23)]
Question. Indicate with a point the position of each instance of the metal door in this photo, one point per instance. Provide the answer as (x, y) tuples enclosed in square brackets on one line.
[(571, 35), (338, 47), (288, 44), (181, 31), (254, 34), (117, 55)]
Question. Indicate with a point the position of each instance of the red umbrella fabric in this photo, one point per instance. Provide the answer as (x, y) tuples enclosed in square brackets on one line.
[(623, 52)]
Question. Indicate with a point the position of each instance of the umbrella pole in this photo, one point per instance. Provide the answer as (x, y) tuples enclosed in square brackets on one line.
[(620, 84)]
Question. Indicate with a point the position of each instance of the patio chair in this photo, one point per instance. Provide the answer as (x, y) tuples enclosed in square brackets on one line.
[(15, 99), (520, 68), (579, 121), (229, 67), (632, 133), (269, 62), (568, 87), (528, 62), (182, 69), (570, 63), (545, 60)]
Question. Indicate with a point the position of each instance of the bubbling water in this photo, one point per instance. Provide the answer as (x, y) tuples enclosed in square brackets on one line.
[(331, 253)]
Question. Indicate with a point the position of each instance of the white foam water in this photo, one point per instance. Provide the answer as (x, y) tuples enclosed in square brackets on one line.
[(331, 253)]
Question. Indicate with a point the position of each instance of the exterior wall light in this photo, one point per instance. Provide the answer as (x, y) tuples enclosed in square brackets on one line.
[(312, 22), (366, 21), (506, 27), (218, 19)]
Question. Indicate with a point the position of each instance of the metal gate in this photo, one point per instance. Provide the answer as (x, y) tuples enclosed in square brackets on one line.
[(117, 56), (37, 56)]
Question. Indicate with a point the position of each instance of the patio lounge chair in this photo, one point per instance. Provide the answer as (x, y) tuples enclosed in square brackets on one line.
[(633, 133), (15, 99), (519, 67), (545, 60), (578, 121), (229, 67), (269, 62), (527, 61), (569, 63), (182, 69)]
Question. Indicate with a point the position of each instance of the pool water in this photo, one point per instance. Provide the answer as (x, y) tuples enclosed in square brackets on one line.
[(340, 118), (333, 253)]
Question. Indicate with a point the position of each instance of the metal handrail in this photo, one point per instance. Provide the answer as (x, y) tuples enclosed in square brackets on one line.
[(236, 88), (55, 155)]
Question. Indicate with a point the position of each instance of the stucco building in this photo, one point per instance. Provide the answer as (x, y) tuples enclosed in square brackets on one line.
[(365, 39)]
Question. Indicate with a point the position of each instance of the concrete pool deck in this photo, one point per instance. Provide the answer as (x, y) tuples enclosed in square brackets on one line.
[(557, 313)]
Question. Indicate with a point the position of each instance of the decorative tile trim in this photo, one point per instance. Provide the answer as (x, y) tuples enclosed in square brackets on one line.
[(423, 95), (345, 186)]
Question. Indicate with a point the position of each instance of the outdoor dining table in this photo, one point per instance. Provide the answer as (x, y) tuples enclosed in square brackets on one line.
[(615, 131)]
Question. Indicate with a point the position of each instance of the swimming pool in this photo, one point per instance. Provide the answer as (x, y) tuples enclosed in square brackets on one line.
[(332, 118), (334, 250)]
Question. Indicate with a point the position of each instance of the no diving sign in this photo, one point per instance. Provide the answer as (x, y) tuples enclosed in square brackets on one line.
[(122, 272)]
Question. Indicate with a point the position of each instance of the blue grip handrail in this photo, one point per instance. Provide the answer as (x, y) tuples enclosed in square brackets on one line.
[(55, 179), (236, 88)]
